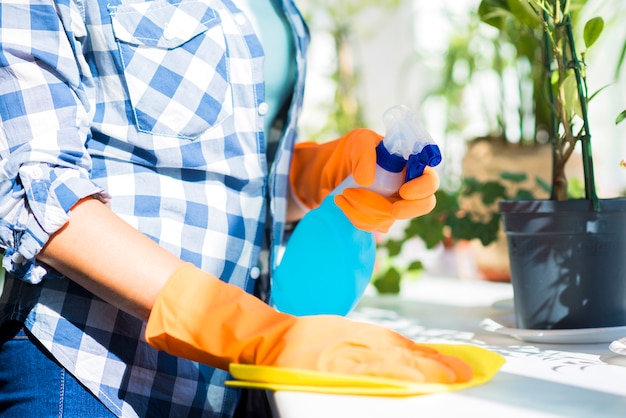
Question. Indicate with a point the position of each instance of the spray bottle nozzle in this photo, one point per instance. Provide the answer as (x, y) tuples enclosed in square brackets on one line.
[(406, 144), (407, 139), (415, 165)]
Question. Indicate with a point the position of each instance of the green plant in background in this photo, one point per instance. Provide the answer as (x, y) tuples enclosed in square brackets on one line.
[(528, 34), (342, 21), (498, 69), (430, 228), (515, 45), (564, 76), (449, 222), (489, 46), (478, 51), (510, 20)]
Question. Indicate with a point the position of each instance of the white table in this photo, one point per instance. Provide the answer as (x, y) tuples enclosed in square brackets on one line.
[(537, 380)]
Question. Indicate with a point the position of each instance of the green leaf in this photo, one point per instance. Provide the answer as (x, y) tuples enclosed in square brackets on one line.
[(389, 282), (490, 232), (524, 13), (492, 191), (576, 188), (593, 29), (545, 186), (598, 91), (465, 228), (415, 266), (493, 12), (620, 117), (471, 184), (554, 78), (524, 194), (513, 177), (394, 247), (428, 227), (572, 99)]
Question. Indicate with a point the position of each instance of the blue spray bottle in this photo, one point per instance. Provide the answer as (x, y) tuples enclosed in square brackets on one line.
[(328, 262)]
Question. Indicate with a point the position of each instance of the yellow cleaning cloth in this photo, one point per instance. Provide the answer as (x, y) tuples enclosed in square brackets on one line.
[(484, 363)]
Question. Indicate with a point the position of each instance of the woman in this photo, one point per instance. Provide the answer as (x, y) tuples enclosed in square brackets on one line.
[(147, 155)]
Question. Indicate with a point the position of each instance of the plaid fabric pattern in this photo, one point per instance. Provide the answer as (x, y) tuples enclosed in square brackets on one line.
[(155, 107)]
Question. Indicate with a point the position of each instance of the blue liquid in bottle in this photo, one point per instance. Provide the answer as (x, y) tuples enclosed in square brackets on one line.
[(327, 264)]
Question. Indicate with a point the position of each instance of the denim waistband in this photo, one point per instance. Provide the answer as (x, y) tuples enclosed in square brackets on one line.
[(10, 330)]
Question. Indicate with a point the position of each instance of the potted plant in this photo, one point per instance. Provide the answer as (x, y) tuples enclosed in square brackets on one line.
[(566, 255), (504, 156)]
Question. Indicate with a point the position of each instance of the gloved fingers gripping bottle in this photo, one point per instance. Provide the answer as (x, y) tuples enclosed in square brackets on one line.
[(406, 145), (328, 262)]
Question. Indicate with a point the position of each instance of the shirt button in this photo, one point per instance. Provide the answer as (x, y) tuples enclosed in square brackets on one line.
[(36, 173), (255, 272), (240, 19), (168, 33), (263, 108)]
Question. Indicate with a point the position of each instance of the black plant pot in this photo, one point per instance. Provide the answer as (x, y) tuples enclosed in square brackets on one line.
[(568, 262)]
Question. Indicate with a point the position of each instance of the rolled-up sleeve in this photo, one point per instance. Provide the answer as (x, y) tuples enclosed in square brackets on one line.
[(44, 125)]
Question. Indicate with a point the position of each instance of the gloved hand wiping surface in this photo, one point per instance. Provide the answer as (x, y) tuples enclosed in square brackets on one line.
[(199, 317)]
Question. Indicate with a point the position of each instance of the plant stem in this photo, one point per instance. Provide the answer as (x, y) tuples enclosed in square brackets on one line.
[(585, 138), (560, 48)]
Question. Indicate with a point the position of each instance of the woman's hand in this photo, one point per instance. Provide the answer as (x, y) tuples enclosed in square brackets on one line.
[(317, 170)]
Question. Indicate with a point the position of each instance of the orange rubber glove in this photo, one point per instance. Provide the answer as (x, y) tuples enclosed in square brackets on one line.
[(199, 317), (317, 169)]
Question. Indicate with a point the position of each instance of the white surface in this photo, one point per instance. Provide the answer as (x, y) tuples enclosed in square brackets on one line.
[(538, 379), (618, 346), (310, 406), (554, 336), (450, 291)]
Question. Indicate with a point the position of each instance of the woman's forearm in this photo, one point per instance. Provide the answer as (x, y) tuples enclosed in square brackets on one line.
[(110, 258)]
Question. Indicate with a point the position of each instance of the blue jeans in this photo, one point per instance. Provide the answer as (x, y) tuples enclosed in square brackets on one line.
[(33, 385)]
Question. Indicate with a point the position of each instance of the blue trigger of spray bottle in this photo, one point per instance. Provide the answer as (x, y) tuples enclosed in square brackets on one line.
[(328, 262)]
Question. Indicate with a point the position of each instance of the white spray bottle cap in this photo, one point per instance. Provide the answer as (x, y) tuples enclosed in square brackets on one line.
[(407, 143)]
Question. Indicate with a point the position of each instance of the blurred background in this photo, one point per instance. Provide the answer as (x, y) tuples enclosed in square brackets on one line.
[(464, 81)]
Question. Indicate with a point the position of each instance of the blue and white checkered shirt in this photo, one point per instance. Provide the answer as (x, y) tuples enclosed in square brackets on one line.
[(155, 107)]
